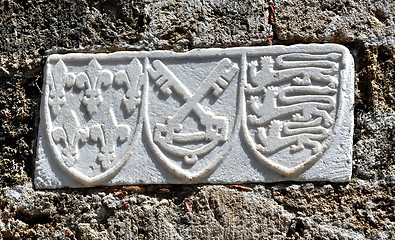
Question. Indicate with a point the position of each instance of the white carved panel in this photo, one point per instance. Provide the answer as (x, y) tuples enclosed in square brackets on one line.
[(253, 114)]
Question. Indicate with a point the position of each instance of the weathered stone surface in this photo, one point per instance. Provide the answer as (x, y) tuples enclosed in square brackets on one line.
[(31, 28), (290, 107), (207, 212), (369, 22), (363, 208)]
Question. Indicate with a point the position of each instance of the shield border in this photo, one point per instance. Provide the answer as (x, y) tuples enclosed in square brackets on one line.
[(71, 171), (168, 163), (290, 172)]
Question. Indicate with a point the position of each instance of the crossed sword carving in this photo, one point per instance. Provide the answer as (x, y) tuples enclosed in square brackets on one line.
[(216, 127)]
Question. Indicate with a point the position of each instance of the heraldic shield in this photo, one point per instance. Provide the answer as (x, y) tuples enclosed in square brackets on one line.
[(247, 114), (191, 114), (91, 115), (291, 107)]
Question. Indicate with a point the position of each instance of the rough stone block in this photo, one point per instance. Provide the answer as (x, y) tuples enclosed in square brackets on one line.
[(342, 22), (253, 114)]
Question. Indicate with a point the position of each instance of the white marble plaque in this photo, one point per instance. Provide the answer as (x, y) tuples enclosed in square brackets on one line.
[(252, 114)]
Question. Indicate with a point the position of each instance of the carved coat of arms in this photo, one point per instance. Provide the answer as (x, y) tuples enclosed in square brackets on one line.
[(91, 116), (191, 114), (255, 114), (291, 106)]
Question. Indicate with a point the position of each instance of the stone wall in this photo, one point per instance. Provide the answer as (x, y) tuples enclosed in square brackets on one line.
[(363, 208)]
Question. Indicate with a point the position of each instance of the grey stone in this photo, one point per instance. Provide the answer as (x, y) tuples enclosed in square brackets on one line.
[(364, 207), (370, 22)]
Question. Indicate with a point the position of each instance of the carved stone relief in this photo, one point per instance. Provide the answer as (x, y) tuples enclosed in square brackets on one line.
[(291, 108), (214, 115)]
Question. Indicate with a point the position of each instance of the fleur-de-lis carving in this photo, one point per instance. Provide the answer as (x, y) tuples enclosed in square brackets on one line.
[(108, 135), (93, 79), (71, 134), (58, 80), (131, 80)]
